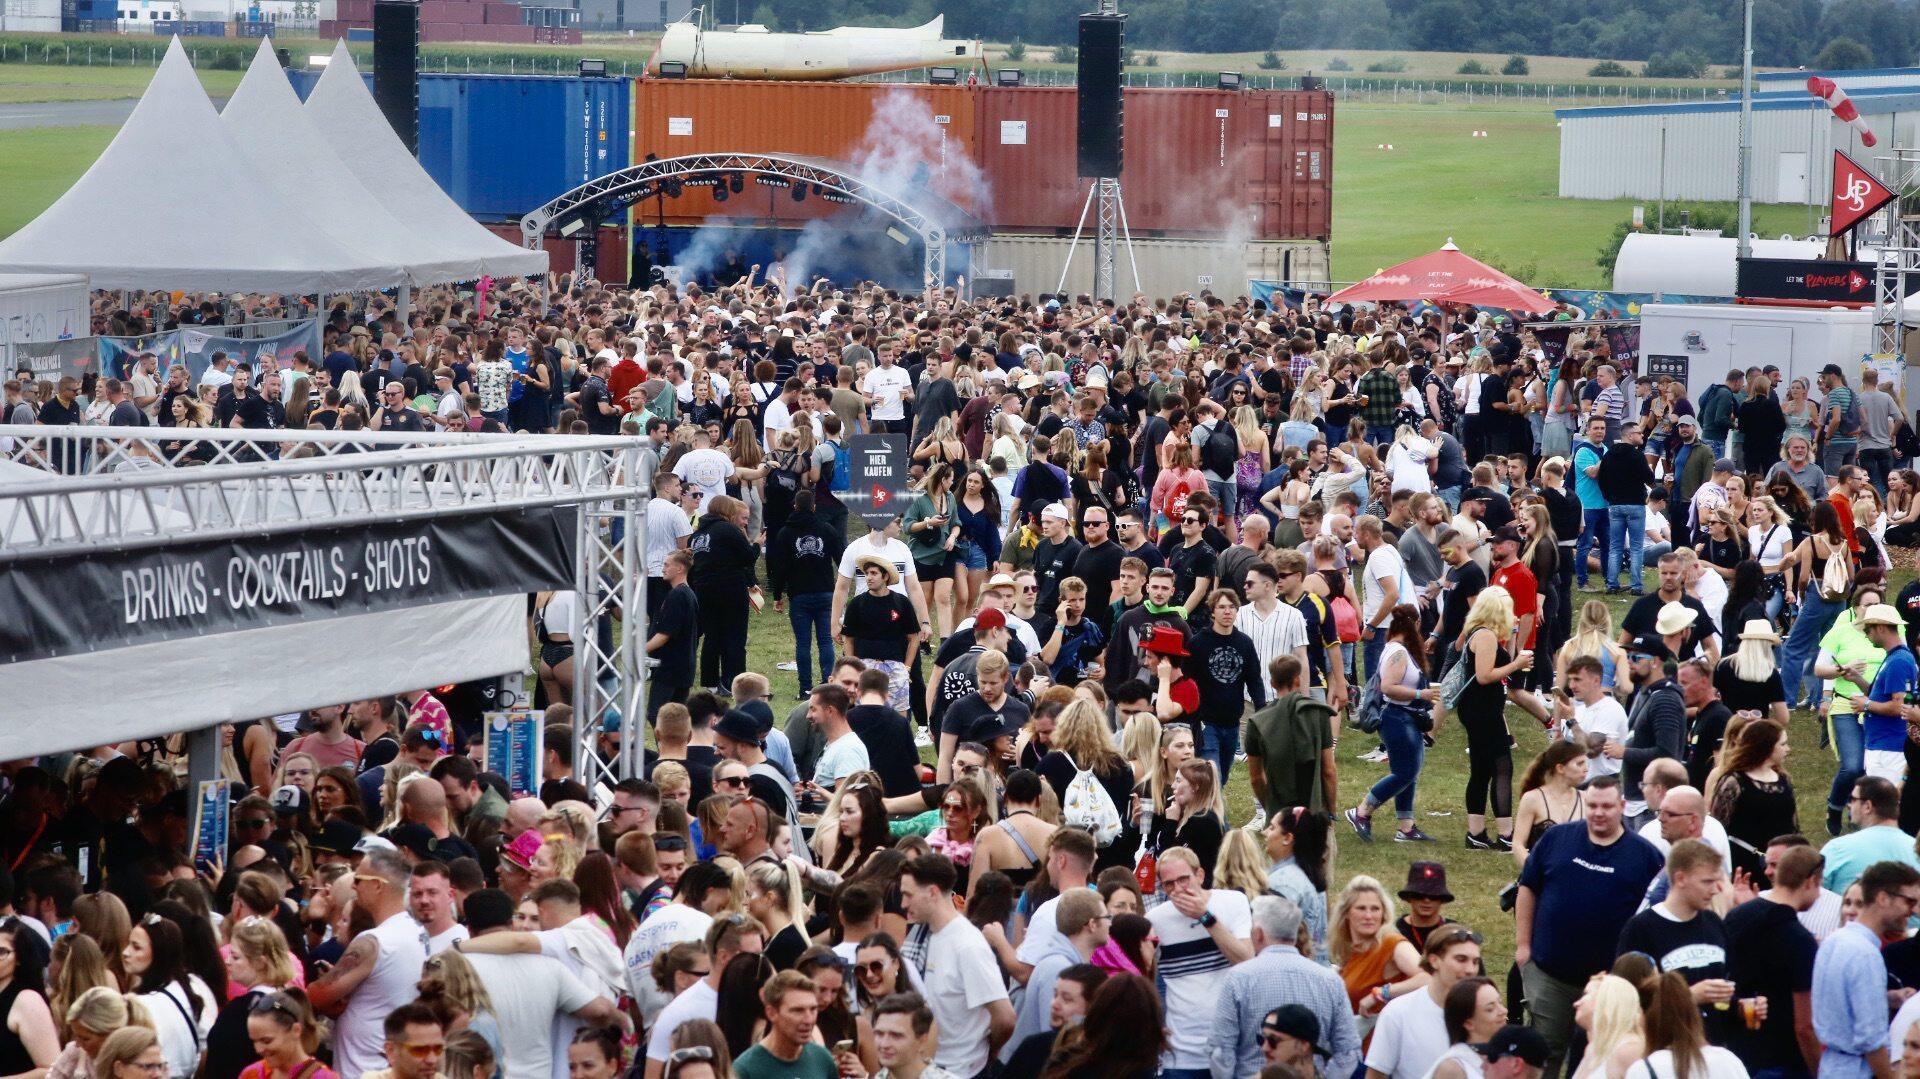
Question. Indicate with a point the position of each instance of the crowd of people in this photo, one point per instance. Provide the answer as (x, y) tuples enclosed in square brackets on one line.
[(1146, 545)]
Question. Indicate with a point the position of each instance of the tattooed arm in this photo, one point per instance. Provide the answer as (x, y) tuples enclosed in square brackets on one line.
[(329, 994)]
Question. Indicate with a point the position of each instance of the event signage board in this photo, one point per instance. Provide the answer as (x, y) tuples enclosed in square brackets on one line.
[(1857, 193), (878, 486), (513, 749), (210, 826), (89, 603), (195, 346), (1805, 279), (1671, 366)]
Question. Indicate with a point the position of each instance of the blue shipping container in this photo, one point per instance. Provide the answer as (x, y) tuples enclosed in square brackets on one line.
[(502, 145)]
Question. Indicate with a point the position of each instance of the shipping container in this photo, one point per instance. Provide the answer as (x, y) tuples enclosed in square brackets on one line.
[(1200, 162), (610, 260), (501, 145), (502, 14)]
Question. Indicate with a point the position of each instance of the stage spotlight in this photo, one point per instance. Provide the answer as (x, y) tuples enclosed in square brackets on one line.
[(1008, 76), (799, 192), (736, 183), (943, 76), (720, 193), (1230, 80), (593, 69)]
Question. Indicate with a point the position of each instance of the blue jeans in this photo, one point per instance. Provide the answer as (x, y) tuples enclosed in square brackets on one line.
[(1220, 743), (1718, 446), (1371, 648), (1877, 463), (1451, 496), (812, 611), (1379, 434), (1593, 533), (1849, 745), (1796, 654), (1227, 493), (1406, 752), (1626, 532)]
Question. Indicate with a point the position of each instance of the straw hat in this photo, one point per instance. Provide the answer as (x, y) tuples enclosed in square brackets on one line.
[(1674, 617), (1759, 629), (887, 569)]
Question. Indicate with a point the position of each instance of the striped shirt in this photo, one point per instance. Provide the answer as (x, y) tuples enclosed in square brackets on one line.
[(1276, 634), (1190, 968)]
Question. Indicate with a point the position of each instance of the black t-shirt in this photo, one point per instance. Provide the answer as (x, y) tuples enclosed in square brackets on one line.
[(1498, 509), (1704, 735), (1645, 612), (592, 396), (404, 419), (679, 619), (1053, 563), (1227, 669), (1769, 954), (1190, 563), (1321, 636), (962, 714), (1696, 948), (956, 681), (1725, 553), (1467, 579), (1909, 604), (1099, 567), (962, 641), (256, 413), (699, 763), (888, 737), (786, 948), (1147, 553), (878, 626)]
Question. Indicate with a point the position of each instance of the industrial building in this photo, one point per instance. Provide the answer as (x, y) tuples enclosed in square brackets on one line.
[(1690, 151), (1224, 186)]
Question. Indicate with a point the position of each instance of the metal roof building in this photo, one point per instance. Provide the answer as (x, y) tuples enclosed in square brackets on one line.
[(1690, 150), (1872, 78)]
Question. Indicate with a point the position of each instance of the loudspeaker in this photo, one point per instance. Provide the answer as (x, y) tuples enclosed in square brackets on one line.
[(1102, 45), (993, 283), (396, 67), (1312, 82)]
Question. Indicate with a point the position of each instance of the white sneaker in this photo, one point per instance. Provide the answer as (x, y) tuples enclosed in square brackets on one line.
[(1258, 821), (921, 738), (789, 665), (1375, 756)]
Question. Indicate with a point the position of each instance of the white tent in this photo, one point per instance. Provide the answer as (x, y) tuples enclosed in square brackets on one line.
[(343, 110), (277, 136), (174, 203)]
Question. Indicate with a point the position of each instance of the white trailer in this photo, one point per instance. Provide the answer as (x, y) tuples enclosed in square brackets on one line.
[(36, 308), (1705, 341)]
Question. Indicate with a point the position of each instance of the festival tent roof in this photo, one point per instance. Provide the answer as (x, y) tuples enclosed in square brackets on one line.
[(343, 110), (1448, 275), (279, 138), (173, 203)]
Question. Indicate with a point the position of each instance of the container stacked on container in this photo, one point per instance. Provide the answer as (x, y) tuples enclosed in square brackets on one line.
[(462, 20)]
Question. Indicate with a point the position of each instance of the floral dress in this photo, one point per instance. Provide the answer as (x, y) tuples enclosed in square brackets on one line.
[(1246, 476)]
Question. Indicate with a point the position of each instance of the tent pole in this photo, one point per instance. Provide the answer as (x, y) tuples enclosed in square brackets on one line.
[(402, 297), (203, 758)]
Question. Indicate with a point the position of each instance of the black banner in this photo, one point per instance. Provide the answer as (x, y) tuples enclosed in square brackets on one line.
[(1805, 279), (879, 490), (59, 606)]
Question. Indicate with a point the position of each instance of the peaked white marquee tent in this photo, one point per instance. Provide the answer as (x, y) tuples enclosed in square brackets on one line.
[(343, 110)]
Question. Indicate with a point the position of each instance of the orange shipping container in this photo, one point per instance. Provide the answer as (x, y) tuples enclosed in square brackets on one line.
[(610, 257)]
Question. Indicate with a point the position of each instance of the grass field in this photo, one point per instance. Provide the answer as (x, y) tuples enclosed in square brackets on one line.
[(1475, 877), (1495, 196), (59, 82), (38, 164)]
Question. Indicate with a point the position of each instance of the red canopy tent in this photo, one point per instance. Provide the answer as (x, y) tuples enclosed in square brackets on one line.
[(1448, 275)]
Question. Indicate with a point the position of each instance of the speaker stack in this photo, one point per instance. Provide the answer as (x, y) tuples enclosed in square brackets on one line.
[(396, 67), (1100, 142)]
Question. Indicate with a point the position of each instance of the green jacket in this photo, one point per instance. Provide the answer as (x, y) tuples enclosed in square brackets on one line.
[(1698, 471), (1288, 737)]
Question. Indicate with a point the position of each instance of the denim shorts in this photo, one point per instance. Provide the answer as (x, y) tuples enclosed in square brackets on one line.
[(968, 553)]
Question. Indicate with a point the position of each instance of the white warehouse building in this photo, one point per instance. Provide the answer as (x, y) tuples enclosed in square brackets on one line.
[(1689, 151)]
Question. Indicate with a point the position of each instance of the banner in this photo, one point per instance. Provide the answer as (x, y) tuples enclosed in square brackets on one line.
[(1623, 340), (50, 360), (88, 603), (513, 750), (195, 346), (877, 488), (1857, 193), (1584, 303), (1805, 279), (210, 826)]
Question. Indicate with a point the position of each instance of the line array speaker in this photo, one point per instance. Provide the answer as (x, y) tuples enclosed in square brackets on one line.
[(396, 67), (1102, 47)]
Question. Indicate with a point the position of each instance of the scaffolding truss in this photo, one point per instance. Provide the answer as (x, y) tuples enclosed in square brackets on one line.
[(1897, 273), (72, 491)]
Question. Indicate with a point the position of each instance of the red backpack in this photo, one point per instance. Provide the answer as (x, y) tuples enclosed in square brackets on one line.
[(1346, 620)]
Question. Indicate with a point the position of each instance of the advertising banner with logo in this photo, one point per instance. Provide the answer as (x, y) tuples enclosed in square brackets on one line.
[(1813, 280), (195, 346), (50, 360), (877, 488), (1857, 193), (513, 750)]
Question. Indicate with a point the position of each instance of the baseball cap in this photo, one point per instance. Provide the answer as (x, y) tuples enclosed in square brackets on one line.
[(1834, 370), (1725, 464), (289, 799), (1646, 644), (1057, 511), (1296, 1021), (1687, 421), (989, 618), (1513, 1040), (1508, 534)]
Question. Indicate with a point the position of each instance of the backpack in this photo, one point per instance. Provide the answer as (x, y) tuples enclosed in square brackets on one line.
[(1221, 451), (665, 405), (1836, 575), (785, 478), (1088, 807), (1850, 417), (1372, 709), (1346, 620)]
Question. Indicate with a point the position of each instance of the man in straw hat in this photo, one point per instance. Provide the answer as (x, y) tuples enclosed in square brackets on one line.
[(1892, 691)]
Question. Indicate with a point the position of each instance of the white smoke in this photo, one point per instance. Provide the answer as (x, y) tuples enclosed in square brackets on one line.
[(705, 251), (907, 154)]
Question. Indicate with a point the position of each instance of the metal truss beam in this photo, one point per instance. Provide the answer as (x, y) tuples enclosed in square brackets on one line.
[(1898, 271)]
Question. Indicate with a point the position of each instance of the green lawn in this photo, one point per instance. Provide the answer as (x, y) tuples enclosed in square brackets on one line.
[(38, 164), (1495, 196), (1475, 877), (60, 82)]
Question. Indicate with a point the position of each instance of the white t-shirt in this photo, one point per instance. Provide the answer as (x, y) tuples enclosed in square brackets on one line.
[(667, 525), (1711, 591), (1658, 531), (1276, 634), (842, 757), (180, 1043), (877, 545), (589, 954), (359, 1037), (886, 384), (1713, 834), (962, 978), (528, 992), (1410, 1036), (672, 924), (454, 934), (708, 471), (1407, 464), (1721, 1064), (1191, 964), (1769, 543), (1384, 564), (700, 1001), (1606, 716)]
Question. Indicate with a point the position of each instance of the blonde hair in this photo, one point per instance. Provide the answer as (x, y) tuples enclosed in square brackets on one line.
[(671, 776), (1616, 1014), (1340, 942), (104, 1010), (1492, 609), (566, 854), (1753, 661), (1593, 634), (83, 970), (1241, 864), (262, 944), (782, 881), (1247, 422), (457, 982), (1159, 778), (399, 771), (1081, 733), (280, 773)]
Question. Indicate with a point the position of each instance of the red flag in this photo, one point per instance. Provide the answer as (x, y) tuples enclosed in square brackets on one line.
[(1856, 193)]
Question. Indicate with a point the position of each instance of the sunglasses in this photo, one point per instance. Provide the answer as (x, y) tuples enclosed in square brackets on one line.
[(872, 966), (430, 1051), (1191, 520), (732, 781), (691, 1052), (1271, 1041)]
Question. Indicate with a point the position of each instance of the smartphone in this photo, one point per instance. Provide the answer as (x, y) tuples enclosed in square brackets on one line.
[(846, 1046)]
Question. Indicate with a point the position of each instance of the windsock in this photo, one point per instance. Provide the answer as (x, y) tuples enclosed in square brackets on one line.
[(1836, 100)]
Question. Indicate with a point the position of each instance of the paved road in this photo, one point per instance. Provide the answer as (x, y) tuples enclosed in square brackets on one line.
[(70, 113)]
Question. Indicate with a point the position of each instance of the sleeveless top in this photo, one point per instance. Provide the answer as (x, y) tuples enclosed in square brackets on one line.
[(14, 1058), (1578, 802), (392, 982), (1481, 700), (1020, 877), (1366, 971)]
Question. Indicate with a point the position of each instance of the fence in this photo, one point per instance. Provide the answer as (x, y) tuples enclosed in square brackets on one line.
[(1356, 88)]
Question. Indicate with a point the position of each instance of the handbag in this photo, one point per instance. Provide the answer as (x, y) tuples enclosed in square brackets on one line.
[(1454, 683)]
